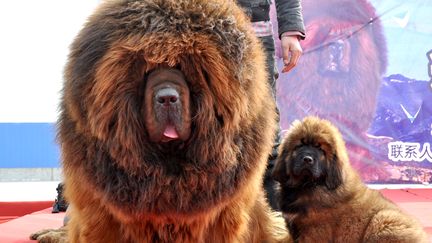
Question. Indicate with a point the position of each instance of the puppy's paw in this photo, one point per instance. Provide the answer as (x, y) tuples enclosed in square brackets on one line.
[(50, 236)]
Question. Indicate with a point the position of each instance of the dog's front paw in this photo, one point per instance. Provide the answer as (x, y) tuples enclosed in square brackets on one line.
[(50, 236)]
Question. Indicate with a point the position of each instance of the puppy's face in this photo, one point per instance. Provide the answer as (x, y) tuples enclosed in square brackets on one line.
[(306, 162), (307, 165)]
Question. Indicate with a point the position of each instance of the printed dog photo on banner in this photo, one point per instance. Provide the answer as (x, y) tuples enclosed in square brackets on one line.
[(361, 70)]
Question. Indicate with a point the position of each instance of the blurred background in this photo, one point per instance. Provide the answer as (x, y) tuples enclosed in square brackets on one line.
[(35, 36), (365, 67)]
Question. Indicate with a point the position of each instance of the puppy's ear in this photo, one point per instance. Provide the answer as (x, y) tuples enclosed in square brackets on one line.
[(334, 174), (280, 172)]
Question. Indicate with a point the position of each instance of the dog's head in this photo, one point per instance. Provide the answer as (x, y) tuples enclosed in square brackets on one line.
[(309, 156)]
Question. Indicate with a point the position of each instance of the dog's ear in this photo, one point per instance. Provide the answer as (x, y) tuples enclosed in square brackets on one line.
[(280, 173), (334, 174)]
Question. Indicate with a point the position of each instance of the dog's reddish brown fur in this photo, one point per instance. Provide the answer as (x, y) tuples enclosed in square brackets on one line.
[(206, 187), (336, 207)]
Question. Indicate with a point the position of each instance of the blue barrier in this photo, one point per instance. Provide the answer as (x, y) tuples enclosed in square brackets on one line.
[(28, 145)]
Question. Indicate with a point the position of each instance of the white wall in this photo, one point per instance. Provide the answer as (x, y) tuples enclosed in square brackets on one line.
[(34, 41)]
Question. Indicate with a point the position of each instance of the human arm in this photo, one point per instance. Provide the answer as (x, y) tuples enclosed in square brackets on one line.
[(291, 31)]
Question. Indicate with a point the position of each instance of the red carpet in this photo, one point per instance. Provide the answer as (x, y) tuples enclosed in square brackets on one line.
[(12, 210), (417, 202), (19, 230)]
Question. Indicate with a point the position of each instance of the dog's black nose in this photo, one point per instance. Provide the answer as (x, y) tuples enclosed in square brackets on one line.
[(308, 159), (167, 96)]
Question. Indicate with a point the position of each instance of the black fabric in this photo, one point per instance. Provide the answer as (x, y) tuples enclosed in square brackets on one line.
[(289, 18), (260, 13), (289, 15), (269, 183), (60, 203)]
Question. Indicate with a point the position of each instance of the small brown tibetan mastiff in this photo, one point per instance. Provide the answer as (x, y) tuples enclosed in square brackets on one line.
[(324, 200)]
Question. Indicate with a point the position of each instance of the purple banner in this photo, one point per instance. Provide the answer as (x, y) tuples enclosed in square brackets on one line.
[(367, 67)]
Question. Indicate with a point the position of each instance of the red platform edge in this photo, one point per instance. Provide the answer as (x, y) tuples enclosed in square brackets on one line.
[(18, 218)]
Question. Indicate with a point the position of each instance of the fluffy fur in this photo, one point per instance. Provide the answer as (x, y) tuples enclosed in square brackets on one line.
[(126, 185), (323, 199)]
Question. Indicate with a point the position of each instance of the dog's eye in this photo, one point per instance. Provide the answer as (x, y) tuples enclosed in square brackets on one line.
[(322, 150), (298, 146)]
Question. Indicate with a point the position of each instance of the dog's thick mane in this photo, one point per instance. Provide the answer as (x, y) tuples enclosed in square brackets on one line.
[(216, 50), (323, 134)]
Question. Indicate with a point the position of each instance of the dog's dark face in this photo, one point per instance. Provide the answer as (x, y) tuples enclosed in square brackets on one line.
[(307, 165), (167, 106)]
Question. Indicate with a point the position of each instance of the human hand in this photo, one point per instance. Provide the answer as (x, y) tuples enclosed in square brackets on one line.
[(291, 51)]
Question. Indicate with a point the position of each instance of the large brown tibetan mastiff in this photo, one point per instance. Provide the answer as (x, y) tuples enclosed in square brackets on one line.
[(166, 125), (323, 199)]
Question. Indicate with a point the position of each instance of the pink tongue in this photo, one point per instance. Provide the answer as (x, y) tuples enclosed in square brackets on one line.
[(170, 132)]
